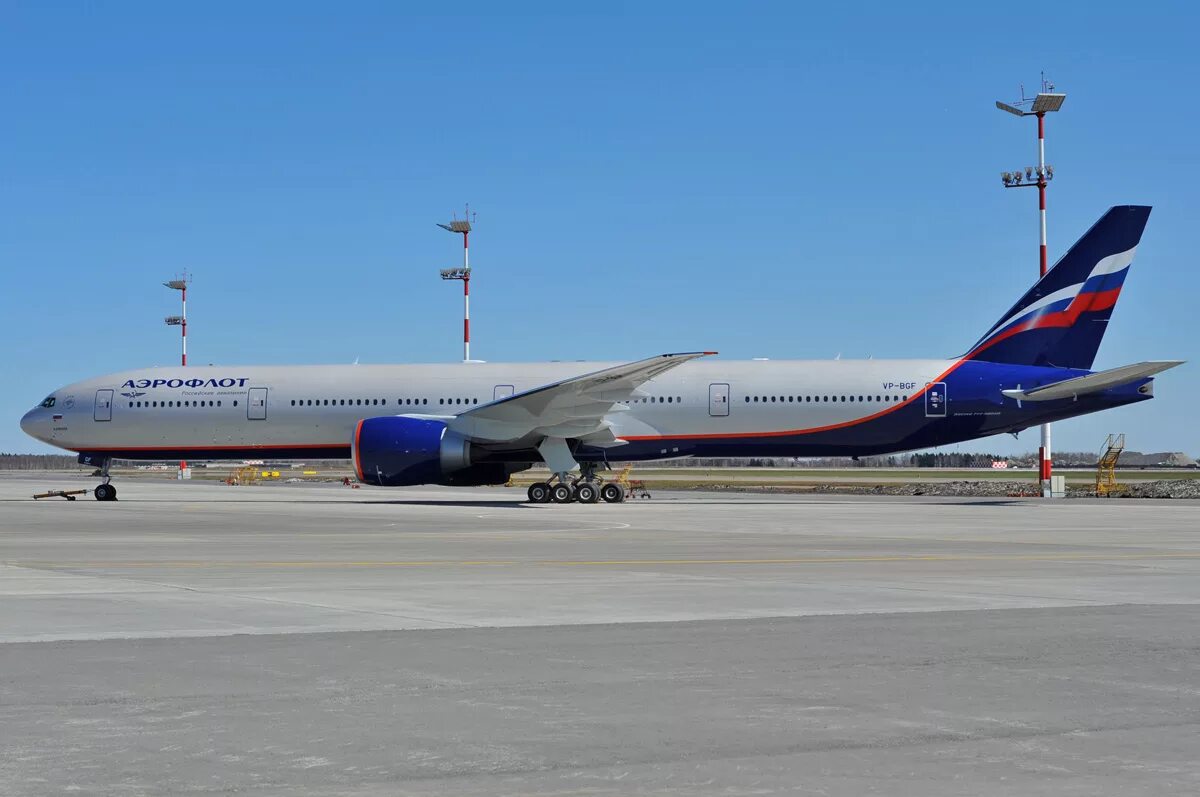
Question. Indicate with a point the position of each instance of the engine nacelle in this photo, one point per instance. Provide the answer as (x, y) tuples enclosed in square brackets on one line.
[(394, 451)]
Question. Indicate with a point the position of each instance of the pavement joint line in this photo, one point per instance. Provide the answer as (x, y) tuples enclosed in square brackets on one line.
[(281, 601), (1065, 557)]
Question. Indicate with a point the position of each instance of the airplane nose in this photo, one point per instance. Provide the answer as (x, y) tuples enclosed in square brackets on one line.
[(27, 423)]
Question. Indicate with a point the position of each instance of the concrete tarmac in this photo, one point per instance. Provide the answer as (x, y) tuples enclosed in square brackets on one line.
[(193, 638)]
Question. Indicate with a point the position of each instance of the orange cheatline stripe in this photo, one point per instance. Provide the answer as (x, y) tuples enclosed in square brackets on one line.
[(245, 447)]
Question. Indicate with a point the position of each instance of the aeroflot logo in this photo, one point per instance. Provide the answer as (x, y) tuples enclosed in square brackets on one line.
[(228, 381)]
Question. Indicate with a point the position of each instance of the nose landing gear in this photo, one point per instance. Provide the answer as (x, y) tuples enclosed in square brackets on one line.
[(105, 491)]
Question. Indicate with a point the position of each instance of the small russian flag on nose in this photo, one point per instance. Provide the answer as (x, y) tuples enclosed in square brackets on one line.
[(57, 417)]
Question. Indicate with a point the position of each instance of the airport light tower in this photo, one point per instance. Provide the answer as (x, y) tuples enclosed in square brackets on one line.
[(1046, 101), (463, 228), (180, 321)]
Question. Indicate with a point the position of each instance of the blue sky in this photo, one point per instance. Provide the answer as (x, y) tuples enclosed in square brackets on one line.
[(776, 180)]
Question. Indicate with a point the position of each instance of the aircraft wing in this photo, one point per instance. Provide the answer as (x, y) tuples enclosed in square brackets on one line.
[(571, 408), (1093, 383)]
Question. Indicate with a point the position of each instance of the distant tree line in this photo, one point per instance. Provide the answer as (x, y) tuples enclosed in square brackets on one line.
[(928, 459), (37, 461)]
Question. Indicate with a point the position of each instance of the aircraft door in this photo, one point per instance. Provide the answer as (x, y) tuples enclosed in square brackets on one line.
[(103, 410), (718, 399), (256, 406), (502, 391), (935, 400)]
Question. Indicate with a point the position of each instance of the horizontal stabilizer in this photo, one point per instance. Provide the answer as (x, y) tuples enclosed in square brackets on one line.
[(1093, 383)]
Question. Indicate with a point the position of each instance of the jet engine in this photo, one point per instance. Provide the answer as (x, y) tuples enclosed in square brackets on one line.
[(393, 451)]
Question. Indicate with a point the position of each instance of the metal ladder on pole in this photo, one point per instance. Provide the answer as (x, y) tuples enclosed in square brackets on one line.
[(1106, 469)]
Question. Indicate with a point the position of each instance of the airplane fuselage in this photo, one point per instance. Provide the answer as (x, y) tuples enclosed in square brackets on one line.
[(702, 408)]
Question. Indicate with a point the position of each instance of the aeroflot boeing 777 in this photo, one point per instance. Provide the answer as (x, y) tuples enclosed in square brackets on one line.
[(476, 423)]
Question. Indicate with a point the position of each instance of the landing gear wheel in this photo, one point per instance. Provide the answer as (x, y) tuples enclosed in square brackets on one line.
[(612, 493), (539, 493), (560, 494), (586, 493), (105, 492)]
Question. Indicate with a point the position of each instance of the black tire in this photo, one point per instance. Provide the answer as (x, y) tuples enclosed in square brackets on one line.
[(612, 493), (586, 493), (539, 493), (105, 492), (561, 494)]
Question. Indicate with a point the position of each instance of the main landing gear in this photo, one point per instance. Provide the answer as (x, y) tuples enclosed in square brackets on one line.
[(105, 491), (588, 488)]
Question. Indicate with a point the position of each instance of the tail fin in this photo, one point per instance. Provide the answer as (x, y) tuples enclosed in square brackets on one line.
[(1062, 318)]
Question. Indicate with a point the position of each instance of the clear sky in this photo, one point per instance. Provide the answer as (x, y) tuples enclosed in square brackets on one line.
[(776, 180)]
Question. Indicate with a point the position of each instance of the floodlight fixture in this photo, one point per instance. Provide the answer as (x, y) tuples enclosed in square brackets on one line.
[(176, 285), (174, 320), (456, 273), (1045, 103), (462, 226), (1004, 106)]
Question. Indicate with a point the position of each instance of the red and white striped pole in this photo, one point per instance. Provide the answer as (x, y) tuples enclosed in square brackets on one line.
[(466, 301), (462, 227), (1046, 463), (183, 325), (183, 359)]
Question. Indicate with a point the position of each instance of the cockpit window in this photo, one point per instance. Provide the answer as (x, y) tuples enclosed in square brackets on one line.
[(49, 402)]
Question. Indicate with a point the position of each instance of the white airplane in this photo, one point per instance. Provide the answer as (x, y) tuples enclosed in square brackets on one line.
[(477, 423)]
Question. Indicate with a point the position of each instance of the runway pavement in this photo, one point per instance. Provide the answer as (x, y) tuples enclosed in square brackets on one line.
[(182, 640)]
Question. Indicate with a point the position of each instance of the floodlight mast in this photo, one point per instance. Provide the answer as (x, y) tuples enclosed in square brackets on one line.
[(462, 227), (180, 284), (1045, 102), (180, 321)]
